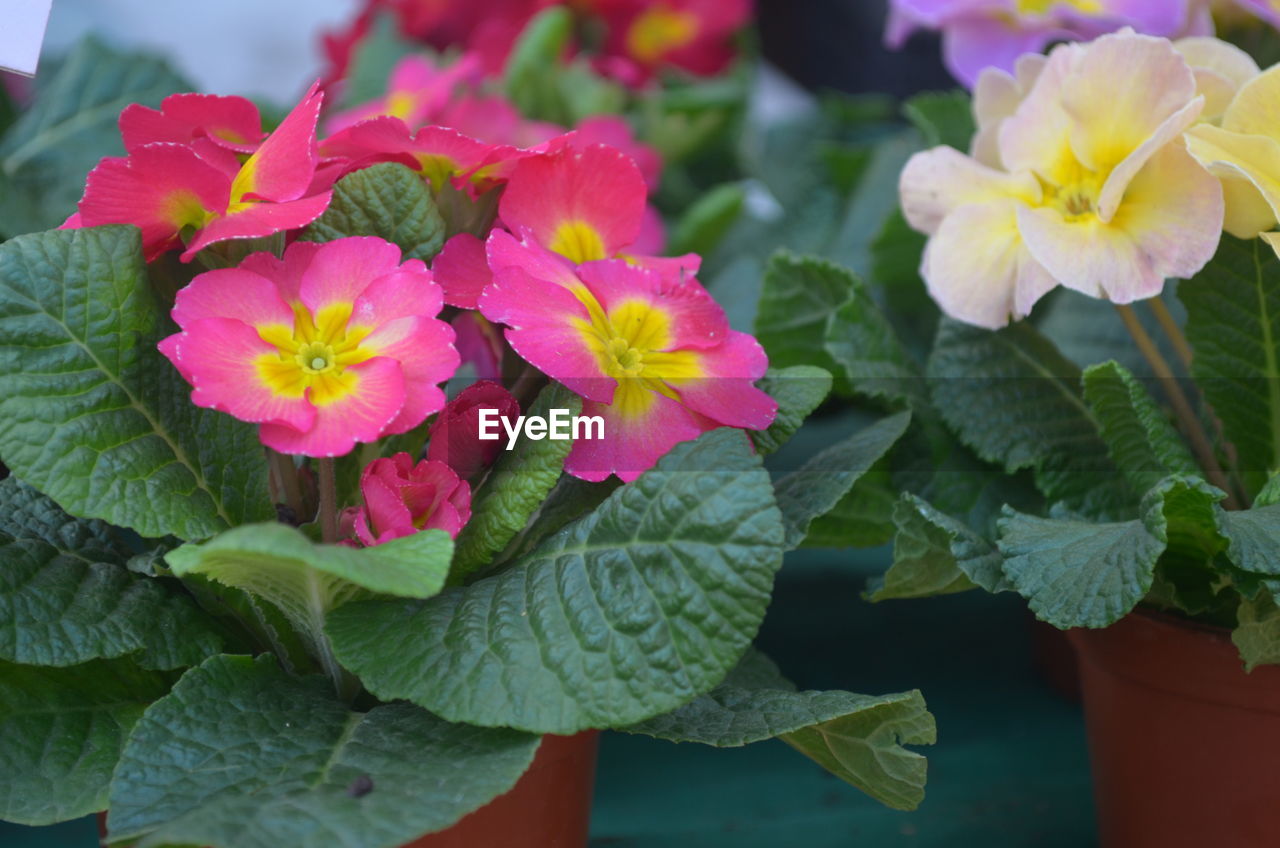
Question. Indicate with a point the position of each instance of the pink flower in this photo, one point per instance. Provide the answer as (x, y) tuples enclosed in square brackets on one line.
[(232, 123), (455, 434), (615, 132), (334, 344), (651, 354), (479, 344), (170, 189), (401, 499), (693, 35), (416, 92)]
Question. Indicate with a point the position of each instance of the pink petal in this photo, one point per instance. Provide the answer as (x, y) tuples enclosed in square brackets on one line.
[(259, 220), (341, 270), (727, 393), (632, 445), (408, 290), (696, 320), (282, 167), (462, 270), (232, 293), (424, 349), (360, 416)]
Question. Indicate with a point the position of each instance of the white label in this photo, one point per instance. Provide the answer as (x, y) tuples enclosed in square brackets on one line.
[(22, 24)]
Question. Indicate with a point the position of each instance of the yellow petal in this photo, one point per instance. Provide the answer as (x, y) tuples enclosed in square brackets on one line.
[(1237, 158), (1256, 109)]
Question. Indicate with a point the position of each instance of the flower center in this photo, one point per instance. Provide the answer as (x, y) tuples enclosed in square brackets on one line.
[(658, 31), (313, 356), (1039, 7), (1072, 188), (316, 357), (578, 242)]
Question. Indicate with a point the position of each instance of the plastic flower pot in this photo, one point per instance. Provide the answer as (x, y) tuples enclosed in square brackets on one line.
[(1184, 743), (549, 807), (1055, 659)]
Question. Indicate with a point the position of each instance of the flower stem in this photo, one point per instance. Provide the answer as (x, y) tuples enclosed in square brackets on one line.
[(287, 475), (1172, 331), (328, 485), (1191, 426)]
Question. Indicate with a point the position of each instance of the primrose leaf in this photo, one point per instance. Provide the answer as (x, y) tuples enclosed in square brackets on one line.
[(706, 222), (863, 518), (816, 487), (1015, 400), (242, 754), (61, 733), (943, 117), (386, 200), (1139, 437), (799, 390), (306, 581), (796, 302), (624, 614), (92, 414), (530, 73), (1257, 634), (72, 123), (1233, 325), (933, 554), (1254, 536), (374, 58), (872, 361), (517, 486), (858, 738), (27, 514)]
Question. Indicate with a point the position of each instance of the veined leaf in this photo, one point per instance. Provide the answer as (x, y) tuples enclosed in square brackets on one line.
[(386, 200), (933, 554), (27, 514), (1257, 635), (799, 390), (943, 117), (92, 414), (61, 733), (872, 361), (241, 755), (627, 613), (859, 738), (517, 486), (799, 295), (863, 518)]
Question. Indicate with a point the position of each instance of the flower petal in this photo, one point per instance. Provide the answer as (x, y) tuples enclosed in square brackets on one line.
[(360, 415), (259, 220), (936, 182)]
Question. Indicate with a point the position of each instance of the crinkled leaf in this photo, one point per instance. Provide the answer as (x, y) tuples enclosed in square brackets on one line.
[(27, 514), (933, 554), (306, 581), (92, 414), (895, 276), (943, 117), (1257, 634), (1015, 400), (858, 737), (799, 296), (241, 755), (1233, 324), (816, 487), (872, 361), (1254, 536), (61, 733), (625, 614), (386, 200), (799, 390), (863, 518), (46, 154), (1141, 440), (518, 485)]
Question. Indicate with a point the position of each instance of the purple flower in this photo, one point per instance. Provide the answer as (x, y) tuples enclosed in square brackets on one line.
[(979, 34)]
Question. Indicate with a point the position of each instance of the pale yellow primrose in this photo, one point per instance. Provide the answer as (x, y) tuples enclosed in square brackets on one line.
[(1245, 153), (1087, 184)]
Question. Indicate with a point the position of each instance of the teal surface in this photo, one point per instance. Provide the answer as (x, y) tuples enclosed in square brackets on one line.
[(1009, 770)]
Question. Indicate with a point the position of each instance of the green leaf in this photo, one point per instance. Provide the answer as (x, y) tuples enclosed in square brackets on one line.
[(859, 738), (863, 518), (386, 200), (933, 554), (518, 485), (704, 224), (61, 733), (373, 59), (872, 362), (1015, 400), (27, 514), (1141, 440), (799, 390), (1083, 574), (1254, 536), (798, 297), (307, 581), (1233, 324), (241, 754), (627, 613), (816, 487), (46, 154), (529, 75), (1257, 635), (895, 275), (92, 414), (943, 117)]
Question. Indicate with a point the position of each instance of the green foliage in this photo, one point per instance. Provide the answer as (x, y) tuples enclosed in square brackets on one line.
[(860, 735), (863, 518), (307, 581), (933, 554), (47, 152), (1233, 324), (942, 117), (1141, 440), (386, 200), (61, 733), (92, 414), (1257, 635), (815, 488), (1015, 400), (373, 59), (799, 390), (627, 613), (241, 754), (702, 226), (543, 86), (517, 486)]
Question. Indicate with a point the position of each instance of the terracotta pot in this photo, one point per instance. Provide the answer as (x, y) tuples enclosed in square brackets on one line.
[(1055, 659), (1185, 745), (549, 807)]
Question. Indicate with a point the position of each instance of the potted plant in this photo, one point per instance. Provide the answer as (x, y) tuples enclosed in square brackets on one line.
[(263, 581), (1130, 443)]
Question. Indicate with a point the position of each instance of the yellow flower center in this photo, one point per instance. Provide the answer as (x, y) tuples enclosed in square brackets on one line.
[(314, 355), (1072, 188), (629, 342), (1039, 7), (578, 242), (400, 105), (658, 31)]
